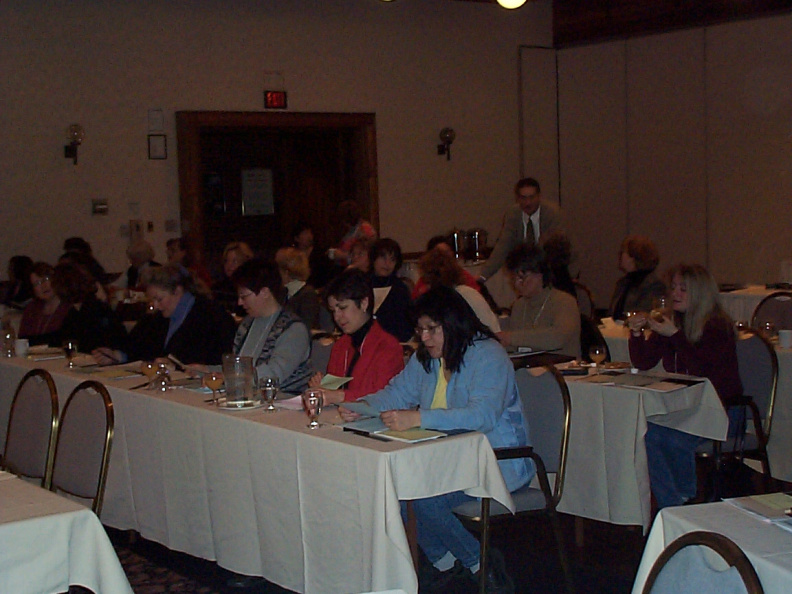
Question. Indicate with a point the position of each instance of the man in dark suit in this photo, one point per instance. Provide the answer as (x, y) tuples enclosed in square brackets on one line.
[(530, 220)]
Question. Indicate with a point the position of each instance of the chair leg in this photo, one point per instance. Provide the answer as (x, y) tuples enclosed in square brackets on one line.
[(485, 534), (570, 585), (580, 532)]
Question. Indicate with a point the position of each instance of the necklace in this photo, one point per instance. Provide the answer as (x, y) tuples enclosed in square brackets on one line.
[(538, 314)]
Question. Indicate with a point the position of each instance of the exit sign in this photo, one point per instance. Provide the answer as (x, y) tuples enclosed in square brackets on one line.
[(275, 100)]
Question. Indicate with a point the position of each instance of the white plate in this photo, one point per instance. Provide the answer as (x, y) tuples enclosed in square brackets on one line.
[(224, 406)]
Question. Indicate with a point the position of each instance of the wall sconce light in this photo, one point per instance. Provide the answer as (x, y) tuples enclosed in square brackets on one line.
[(447, 136), (75, 136), (511, 4)]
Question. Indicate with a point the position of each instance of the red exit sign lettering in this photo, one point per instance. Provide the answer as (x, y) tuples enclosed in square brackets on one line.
[(275, 99)]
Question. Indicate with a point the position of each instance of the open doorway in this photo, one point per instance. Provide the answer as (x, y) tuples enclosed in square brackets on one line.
[(252, 176)]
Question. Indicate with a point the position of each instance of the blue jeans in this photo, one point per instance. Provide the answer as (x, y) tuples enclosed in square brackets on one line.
[(440, 531), (671, 456)]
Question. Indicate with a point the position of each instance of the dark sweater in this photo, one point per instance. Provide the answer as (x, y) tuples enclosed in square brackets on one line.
[(204, 336), (394, 313), (714, 356), (94, 325)]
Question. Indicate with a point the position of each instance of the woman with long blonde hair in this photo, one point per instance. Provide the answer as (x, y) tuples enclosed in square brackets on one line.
[(696, 338)]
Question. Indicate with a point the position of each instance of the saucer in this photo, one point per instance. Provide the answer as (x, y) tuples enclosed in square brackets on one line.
[(224, 405)]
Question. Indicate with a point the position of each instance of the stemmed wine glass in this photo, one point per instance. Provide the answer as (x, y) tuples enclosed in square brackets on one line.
[(70, 348), (149, 369), (313, 399), (213, 380), (597, 355), (269, 389)]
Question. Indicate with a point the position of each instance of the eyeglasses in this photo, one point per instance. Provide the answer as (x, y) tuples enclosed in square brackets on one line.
[(245, 295), (41, 281), (523, 276), (431, 330)]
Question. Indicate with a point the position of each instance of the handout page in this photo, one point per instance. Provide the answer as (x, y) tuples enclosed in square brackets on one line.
[(334, 382)]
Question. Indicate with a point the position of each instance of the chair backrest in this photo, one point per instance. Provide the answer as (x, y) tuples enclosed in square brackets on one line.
[(758, 365), (776, 308), (32, 428), (682, 567), (547, 407), (85, 437)]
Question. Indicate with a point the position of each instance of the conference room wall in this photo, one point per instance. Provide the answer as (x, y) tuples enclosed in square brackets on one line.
[(684, 137), (419, 65)]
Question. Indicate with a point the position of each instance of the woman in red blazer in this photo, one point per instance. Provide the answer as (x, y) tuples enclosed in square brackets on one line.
[(366, 353)]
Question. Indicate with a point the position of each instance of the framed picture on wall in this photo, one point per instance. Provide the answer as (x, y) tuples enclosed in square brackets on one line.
[(157, 146)]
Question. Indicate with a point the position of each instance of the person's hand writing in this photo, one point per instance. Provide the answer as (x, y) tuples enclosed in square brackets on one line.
[(106, 356), (315, 381), (196, 369), (401, 420), (347, 414)]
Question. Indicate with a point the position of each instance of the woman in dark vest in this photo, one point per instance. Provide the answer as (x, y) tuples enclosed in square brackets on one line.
[(276, 339)]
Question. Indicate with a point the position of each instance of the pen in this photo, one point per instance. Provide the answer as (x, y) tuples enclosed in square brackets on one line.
[(365, 434)]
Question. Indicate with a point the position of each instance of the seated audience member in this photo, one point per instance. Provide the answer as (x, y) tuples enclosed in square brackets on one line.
[(141, 259), (89, 321), (460, 378), (359, 255), (79, 251), (187, 324), (441, 242), (321, 269), (542, 317), (439, 267), (18, 292), (277, 339), (391, 295), (697, 338), (301, 298), (639, 287), (235, 254), (558, 251), (366, 353), (180, 251), (43, 317), (355, 227)]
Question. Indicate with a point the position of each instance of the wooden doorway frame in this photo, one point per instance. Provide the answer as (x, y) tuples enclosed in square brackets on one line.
[(190, 125)]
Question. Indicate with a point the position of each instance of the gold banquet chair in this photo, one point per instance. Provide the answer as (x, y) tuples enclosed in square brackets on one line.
[(683, 567), (85, 437), (545, 400), (775, 308), (32, 428)]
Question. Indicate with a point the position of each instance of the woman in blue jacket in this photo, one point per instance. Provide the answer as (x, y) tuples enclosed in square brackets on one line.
[(459, 378)]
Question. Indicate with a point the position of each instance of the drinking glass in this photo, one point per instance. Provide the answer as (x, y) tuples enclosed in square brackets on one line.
[(269, 389), (149, 369), (213, 380), (313, 399), (660, 308), (597, 355), (70, 348)]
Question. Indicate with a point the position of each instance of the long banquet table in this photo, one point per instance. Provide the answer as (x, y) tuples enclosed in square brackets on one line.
[(779, 448), (313, 511), (607, 475), (48, 543), (768, 547)]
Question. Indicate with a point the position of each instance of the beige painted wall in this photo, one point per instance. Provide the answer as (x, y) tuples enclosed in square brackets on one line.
[(420, 65), (685, 137)]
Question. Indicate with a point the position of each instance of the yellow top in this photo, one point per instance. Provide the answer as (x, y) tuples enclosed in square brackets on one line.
[(439, 400)]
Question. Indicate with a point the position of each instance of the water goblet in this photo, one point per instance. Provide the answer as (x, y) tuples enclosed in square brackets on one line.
[(70, 348), (660, 309), (269, 389), (770, 332), (313, 399), (597, 354), (213, 380), (149, 369)]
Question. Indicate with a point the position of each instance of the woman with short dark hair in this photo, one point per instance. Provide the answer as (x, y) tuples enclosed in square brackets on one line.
[(43, 317), (276, 339), (391, 296), (460, 378), (365, 352), (639, 287)]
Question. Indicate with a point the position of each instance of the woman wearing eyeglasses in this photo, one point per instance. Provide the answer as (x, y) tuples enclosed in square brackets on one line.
[(542, 317), (366, 353), (459, 378), (44, 315)]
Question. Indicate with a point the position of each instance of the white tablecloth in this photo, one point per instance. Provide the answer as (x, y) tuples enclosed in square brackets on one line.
[(769, 548), (313, 511), (48, 543), (607, 476), (741, 304)]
